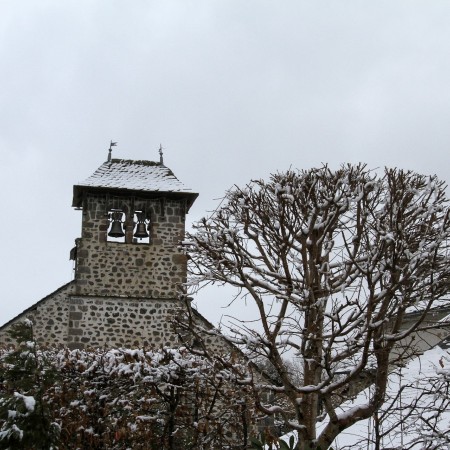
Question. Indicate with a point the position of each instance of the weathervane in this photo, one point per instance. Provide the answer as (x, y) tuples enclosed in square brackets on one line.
[(112, 144), (161, 160)]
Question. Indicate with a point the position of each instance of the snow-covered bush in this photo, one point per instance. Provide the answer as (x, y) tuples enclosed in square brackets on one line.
[(118, 399), (26, 374)]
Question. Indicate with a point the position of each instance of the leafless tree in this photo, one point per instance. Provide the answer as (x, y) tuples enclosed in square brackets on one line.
[(333, 261), (427, 410)]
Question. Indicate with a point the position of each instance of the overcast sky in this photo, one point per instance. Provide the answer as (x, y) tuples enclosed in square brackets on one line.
[(233, 89)]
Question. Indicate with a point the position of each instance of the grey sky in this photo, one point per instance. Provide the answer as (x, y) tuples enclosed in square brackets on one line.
[(233, 89)]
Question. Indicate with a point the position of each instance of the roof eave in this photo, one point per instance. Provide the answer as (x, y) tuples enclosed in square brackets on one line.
[(79, 190)]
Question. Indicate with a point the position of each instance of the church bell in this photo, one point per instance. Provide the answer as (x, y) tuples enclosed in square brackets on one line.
[(116, 226), (141, 228), (141, 231)]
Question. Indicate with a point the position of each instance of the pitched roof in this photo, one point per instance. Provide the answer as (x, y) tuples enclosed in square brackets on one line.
[(141, 176)]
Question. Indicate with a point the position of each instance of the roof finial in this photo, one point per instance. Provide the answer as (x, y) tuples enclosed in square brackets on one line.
[(161, 160), (112, 144)]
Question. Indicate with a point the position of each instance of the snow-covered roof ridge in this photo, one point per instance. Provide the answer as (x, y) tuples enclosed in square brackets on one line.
[(143, 177), (135, 175)]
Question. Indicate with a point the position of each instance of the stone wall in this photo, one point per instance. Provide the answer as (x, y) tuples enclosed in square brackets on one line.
[(119, 322), (125, 294), (65, 319), (130, 269), (75, 321), (49, 317)]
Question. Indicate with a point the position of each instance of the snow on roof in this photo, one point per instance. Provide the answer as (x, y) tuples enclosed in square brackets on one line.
[(136, 176), (142, 176)]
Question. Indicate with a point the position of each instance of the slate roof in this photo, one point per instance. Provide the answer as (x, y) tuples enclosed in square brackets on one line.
[(139, 176)]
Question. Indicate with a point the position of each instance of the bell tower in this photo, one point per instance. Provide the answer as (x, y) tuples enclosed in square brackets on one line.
[(133, 218), (128, 266)]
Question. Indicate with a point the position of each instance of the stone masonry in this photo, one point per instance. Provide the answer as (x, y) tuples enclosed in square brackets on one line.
[(154, 270), (124, 293), (50, 318)]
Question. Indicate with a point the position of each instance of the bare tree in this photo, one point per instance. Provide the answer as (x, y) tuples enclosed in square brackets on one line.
[(333, 261), (426, 412), (416, 413)]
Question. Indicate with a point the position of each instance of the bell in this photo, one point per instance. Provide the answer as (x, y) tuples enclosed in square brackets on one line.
[(116, 229), (141, 231), (116, 226)]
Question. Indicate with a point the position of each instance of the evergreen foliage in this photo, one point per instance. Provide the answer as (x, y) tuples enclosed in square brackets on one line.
[(26, 376)]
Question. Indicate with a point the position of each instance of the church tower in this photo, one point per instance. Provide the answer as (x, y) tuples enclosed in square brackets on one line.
[(128, 265), (133, 219)]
